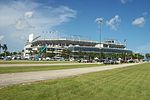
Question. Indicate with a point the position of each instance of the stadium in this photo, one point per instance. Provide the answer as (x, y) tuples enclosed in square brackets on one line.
[(56, 46)]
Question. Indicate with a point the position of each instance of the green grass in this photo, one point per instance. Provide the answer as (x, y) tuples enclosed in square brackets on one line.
[(130, 83), (32, 62), (42, 68)]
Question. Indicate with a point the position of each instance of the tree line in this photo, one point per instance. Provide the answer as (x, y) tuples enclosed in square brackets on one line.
[(67, 54), (91, 55)]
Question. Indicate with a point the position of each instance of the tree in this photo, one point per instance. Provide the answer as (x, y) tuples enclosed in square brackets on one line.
[(4, 47), (140, 56), (65, 53), (0, 47), (50, 55), (35, 52), (137, 56), (147, 55), (14, 53)]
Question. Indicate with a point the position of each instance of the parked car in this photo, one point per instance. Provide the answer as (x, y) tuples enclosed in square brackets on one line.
[(14, 58), (79, 60), (1, 57), (18, 57), (117, 62), (109, 62), (48, 58), (130, 61), (85, 61), (7, 58), (58, 58)]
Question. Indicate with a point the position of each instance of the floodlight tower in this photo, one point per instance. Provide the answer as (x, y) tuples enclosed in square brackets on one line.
[(99, 22)]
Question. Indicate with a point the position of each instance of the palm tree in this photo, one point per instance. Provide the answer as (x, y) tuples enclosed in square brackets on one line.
[(0, 48), (65, 53), (4, 47), (147, 56)]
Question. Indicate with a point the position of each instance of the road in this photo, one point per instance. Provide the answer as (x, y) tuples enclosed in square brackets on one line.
[(27, 65), (27, 77)]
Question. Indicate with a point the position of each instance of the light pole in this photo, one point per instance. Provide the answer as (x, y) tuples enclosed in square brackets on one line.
[(99, 21)]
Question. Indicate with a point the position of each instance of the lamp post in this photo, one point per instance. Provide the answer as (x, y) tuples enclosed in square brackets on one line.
[(99, 21)]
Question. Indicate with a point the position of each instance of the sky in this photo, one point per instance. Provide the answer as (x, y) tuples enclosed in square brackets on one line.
[(122, 20)]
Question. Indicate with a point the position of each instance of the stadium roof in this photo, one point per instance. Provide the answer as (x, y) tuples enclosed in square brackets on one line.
[(63, 42)]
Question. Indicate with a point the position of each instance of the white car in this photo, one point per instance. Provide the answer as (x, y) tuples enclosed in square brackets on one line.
[(48, 58)]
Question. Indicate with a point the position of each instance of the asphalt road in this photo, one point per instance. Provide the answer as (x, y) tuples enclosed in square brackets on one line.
[(27, 77)]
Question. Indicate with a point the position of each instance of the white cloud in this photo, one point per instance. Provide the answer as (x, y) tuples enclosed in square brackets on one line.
[(125, 1), (19, 12), (1, 37), (22, 24), (139, 22), (28, 14), (99, 20), (114, 22), (20, 18)]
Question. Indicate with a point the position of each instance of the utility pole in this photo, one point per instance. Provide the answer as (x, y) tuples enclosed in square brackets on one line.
[(99, 21)]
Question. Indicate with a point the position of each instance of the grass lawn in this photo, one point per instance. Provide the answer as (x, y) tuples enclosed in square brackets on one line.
[(130, 83), (43, 68), (32, 62)]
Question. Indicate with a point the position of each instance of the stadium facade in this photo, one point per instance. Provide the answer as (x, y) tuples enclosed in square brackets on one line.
[(56, 46)]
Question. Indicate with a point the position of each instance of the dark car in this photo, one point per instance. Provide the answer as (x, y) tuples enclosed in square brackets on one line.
[(2, 57)]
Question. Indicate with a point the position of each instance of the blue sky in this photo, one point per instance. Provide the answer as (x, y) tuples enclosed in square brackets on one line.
[(123, 19)]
